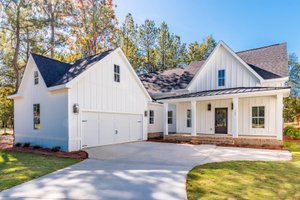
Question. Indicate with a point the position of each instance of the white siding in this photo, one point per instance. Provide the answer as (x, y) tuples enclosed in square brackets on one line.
[(97, 91), (54, 113), (157, 127), (236, 74), (245, 124)]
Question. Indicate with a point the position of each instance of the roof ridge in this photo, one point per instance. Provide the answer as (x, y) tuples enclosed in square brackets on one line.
[(50, 58), (253, 49)]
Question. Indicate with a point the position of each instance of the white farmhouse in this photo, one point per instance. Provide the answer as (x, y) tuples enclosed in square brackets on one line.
[(100, 100)]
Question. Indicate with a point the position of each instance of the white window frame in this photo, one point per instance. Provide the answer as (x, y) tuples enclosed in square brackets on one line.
[(170, 118), (188, 118), (218, 78), (36, 77), (117, 73), (151, 117), (258, 117)]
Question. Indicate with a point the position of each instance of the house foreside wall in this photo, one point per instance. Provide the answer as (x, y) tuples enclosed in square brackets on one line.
[(236, 74), (96, 91), (53, 113)]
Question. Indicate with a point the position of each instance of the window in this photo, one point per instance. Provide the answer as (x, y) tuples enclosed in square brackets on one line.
[(221, 77), (36, 116), (36, 78), (151, 117), (258, 117), (188, 118), (170, 117), (117, 73)]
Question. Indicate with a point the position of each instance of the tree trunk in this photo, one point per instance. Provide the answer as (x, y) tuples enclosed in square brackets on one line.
[(52, 35), (17, 48)]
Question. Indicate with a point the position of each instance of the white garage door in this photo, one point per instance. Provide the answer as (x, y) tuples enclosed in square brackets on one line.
[(106, 128)]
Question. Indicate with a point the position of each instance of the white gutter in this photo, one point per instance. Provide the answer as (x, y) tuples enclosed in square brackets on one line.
[(275, 79)]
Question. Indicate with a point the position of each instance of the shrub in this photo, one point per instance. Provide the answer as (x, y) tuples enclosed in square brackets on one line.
[(26, 144), (292, 132), (18, 144), (55, 149), (37, 147)]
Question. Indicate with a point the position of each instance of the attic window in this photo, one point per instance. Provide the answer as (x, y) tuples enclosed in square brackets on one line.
[(221, 77), (36, 78), (117, 73)]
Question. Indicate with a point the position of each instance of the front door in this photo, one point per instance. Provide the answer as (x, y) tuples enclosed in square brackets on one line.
[(221, 120)]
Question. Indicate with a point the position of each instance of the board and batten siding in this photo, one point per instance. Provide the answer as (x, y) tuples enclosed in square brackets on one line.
[(157, 127), (53, 113), (236, 74), (97, 91), (245, 116)]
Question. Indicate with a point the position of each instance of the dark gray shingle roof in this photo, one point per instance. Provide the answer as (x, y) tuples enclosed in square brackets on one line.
[(223, 92), (56, 73), (269, 62)]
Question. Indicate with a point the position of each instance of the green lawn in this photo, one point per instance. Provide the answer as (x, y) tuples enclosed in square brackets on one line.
[(16, 168), (247, 179)]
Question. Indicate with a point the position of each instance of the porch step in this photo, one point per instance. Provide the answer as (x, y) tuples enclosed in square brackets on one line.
[(199, 139)]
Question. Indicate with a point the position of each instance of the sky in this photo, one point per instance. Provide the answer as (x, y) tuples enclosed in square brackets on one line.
[(241, 24)]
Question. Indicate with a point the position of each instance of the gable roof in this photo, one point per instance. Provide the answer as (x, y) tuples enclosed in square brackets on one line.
[(55, 72), (268, 62)]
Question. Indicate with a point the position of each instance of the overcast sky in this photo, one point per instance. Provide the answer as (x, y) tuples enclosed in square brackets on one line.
[(242, 24)]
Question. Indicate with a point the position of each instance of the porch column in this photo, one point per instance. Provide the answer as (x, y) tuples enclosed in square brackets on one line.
[(235, 117), (165, 119), (194, 117), (279, 116)]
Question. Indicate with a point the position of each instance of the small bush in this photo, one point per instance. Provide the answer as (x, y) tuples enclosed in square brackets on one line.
[(37, 147), (26, 144), (19, 144), (292, 132), (55, 149)]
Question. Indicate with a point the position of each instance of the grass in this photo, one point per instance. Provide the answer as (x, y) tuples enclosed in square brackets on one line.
[(16, 168), (247, 179)]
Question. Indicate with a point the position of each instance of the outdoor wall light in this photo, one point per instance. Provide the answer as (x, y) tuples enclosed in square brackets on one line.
[(145, 113), (209, 107), (76, 108), (231, 106)]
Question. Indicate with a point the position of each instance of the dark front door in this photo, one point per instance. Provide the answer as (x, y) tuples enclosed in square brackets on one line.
[(221, 120)]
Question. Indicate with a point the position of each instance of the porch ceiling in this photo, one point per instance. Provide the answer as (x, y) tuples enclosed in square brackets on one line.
[(227, 93)]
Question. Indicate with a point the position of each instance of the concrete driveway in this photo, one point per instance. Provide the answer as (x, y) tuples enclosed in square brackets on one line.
[(140, 170)]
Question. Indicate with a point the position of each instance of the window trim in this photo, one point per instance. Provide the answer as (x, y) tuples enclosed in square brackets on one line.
[(188, 119), (258, 117), (221, 78), (36, 77), (170, 118), (36, 116), (117, 73), (151, 117)]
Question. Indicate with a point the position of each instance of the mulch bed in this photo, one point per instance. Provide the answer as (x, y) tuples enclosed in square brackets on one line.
[(6, 143), (287, 138)]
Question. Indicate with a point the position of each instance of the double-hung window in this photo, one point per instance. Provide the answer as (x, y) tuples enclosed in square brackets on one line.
[(36, 116), (170, 117), (151, 117), (188, 118), (258, 117), (36, 77), (117, 73), (221, 77)]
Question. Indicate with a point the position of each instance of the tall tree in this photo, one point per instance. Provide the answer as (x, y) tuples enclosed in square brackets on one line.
[(147, 38), (54, 13), (93, 26), (294, 75), (200, 51), (164, 47), (178, 52)]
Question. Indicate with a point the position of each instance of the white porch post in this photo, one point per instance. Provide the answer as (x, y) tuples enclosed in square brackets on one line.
[(194, 117), (235, 117), (279, 116), (165, 119)]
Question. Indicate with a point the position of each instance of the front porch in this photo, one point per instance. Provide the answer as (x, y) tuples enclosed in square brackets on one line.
[(239, 114)]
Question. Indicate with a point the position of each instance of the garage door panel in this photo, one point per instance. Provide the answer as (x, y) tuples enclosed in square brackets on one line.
[(106, 129)]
